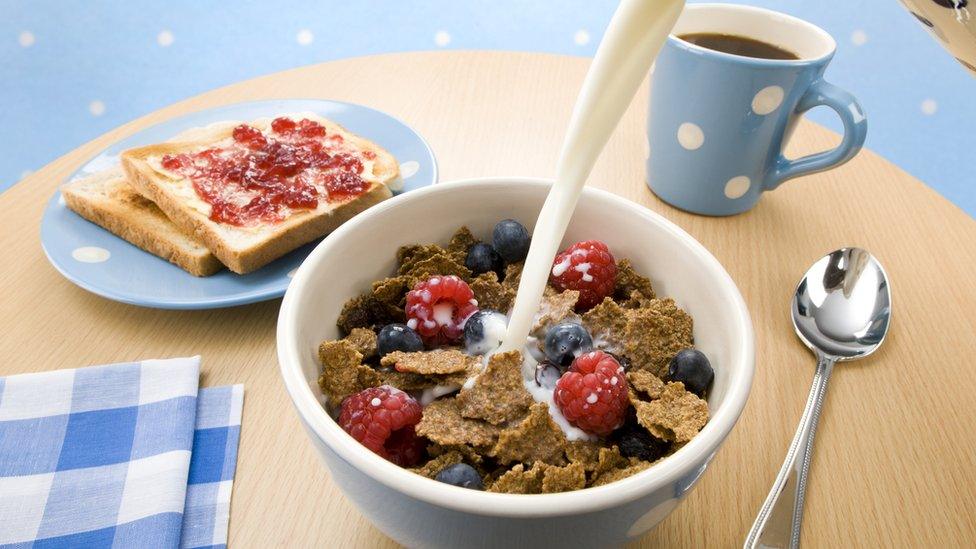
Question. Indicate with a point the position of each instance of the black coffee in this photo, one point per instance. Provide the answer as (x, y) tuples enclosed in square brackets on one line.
[(738, 45)]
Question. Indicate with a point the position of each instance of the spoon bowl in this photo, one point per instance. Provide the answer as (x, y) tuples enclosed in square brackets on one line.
[(842, 305)]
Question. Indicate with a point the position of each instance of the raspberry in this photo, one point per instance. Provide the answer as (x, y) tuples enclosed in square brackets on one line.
[(587, 267), (404, 447), (592, 395), (382, 419), (437, 309)]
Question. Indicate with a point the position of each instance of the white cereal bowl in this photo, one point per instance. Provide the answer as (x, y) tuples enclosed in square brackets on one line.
[(419, 512)]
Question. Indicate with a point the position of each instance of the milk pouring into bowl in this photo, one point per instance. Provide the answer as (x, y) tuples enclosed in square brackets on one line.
[(632, 40)]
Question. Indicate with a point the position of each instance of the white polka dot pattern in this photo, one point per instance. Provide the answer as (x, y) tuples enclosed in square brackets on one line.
[(767, 100), (737, 186), (165, 38), (304, 37), (91, 254), (96, 108), (691, 136), (26, 39), (409, 168)]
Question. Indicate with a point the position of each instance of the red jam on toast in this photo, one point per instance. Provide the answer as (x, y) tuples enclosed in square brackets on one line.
[(260, 177)]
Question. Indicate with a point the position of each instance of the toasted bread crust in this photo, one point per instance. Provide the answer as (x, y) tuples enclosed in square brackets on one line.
[(135, 219), (282, 237)]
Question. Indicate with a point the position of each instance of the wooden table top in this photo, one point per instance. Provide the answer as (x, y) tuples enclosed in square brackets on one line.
[(894, 462)]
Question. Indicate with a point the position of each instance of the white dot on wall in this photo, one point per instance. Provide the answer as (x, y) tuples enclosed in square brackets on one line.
[(26, 39), (305, 37), (690, 136), (767, 100), (96, 107), (582, 37), (859, 37), (442, 38), (164, 38), (409, 168), (91, 254), (929, 106), (737, 186)]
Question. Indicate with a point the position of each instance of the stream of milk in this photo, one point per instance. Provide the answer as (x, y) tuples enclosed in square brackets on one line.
[(633, 38)]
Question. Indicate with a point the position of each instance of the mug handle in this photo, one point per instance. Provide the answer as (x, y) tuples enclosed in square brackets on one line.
[(849, 110)]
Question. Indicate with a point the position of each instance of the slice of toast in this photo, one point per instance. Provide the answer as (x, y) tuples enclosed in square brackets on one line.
[(106, 199), (246, 248)]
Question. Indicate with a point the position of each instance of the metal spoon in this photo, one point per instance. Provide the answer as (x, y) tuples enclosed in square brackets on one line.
[(841, 311)]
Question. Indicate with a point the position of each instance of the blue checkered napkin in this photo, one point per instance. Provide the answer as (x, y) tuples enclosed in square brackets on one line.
[(212, 466), (97, 456)]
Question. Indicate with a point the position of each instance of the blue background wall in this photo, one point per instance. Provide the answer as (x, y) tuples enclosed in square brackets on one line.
[(71, 70)]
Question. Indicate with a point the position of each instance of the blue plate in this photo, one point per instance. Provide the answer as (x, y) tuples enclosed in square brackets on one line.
[(104, 264)]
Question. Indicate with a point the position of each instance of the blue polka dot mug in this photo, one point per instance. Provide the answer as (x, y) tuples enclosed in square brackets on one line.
[(718, 122)]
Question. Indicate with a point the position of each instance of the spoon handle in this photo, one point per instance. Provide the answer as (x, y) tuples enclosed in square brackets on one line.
[(778, 522)]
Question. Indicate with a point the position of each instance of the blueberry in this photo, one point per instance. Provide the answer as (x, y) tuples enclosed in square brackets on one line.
[(691, 367), (483, 258), (566, 341), (511, 239), (634, 441), (484, 331), (461, 474), (398, 337)]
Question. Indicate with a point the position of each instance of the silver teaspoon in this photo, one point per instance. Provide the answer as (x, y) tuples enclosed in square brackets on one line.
[(841, 311)]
